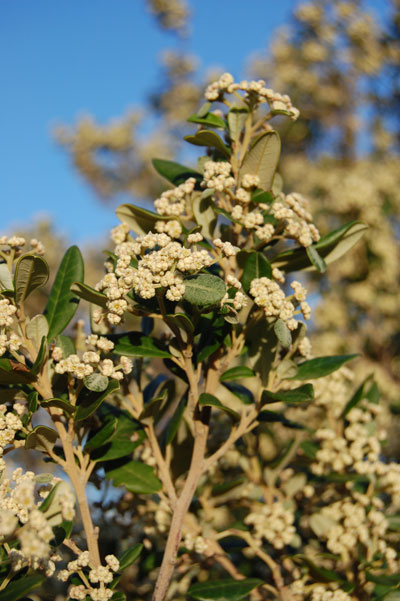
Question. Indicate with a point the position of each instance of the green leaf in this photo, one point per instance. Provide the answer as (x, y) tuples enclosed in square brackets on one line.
[(204, 109), (181, 321), (66, 345), (331, 248), (174, 172), (319, 574), (204, 289), (139, 220), (236, 120), (223, 590), (6, 281), (302, 394), (120, 443), (62, 303), (273, 417), (286, 369), (102, 436), (13, 372), (135, 476), (316, 259), (237, 373), (128, 557), (60, 404), (256, 266), (282, 333), (262, 159), (40, 438), (135, 344), (31, 272), (36, 329), (209, 400), (89, 401), (203, 211), (321, 366), (205, 137), (19, 588), (89, 294), (243, 393), (358, 396), (208, 119), (96, 382), (41, 356)]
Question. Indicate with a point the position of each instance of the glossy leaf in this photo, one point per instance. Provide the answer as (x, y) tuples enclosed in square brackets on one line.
[(89, 294), (102, 436), (223, 590), (319, 574), (62, 303), (60, 404), (121, 442), (16, 589), (40, 438), (204, 289), (321, 366), (262, 159), (208, 119), (139, 220), (330, 247), (135, 344), (302, 394), (256, 266), (205, 137), (174, 172), (31, 272), (237, 373), (128, 557), (135, 476), (357, 397), (283, 333), (274, 417), (89, 401), (243, 393), (209, 400)]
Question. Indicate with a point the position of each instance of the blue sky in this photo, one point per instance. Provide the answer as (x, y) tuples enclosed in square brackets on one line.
[(59, 59)]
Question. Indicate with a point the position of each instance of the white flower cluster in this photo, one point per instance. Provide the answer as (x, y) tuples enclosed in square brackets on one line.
[(91, 360), (217, 175), (272, 522), (162, 262), (357, 519), (292, 212), (17, 242), (269, 295), (255, 92), (320, 592), (173, 202), (198, 544), (102, 575), (7, 311), (10, 424), (240, 299), (331, 392), (358, 449), (18, 506)]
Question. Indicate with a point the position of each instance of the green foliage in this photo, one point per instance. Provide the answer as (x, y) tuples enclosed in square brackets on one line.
[(204, 289), (31, 272), (62, 303), (135, 476), (262, 159), (223, 590)]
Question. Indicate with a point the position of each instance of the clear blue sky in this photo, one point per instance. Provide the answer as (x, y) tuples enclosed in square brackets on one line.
[(62, 58)]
